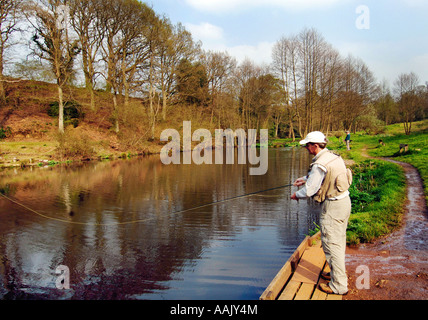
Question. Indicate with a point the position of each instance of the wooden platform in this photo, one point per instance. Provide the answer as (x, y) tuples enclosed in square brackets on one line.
[(299, 278)]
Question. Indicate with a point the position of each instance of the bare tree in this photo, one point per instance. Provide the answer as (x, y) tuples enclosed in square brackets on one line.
[(246, 74), (385, 104), (219, 66), (10, 14), (284, 65), (83, 18), (312, 49), (175, 44), (52, 43), (358, 86), (126, 25), (405, 89)]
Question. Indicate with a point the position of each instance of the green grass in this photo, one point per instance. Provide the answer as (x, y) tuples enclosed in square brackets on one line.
[(377, 195), (378, 192), (25, 150), (416, 155), (278, 142)]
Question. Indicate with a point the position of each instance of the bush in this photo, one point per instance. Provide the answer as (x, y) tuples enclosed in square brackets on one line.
[(74, 144), (5, 132), (72, 112)]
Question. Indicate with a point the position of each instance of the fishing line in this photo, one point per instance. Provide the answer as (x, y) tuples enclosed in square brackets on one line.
[(139, 220)]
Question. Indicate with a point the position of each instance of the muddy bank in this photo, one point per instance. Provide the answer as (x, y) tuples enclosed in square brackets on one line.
[(397, 264)]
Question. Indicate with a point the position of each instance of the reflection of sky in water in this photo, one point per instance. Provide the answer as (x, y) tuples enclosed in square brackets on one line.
[(230, 250)]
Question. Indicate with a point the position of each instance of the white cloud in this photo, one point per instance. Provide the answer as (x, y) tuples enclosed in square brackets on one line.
[(226, 5), (415, 3), (205, 31), (259, 54), (212, 38), (387, 59)]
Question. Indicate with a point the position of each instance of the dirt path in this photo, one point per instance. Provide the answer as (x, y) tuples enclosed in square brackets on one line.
[(397, 264)]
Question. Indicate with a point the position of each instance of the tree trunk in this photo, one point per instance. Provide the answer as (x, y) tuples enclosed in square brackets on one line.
[(2, 86), (291, 132), (164, 104), (60, 111), (2, 90), (116, 113), (92, 98)]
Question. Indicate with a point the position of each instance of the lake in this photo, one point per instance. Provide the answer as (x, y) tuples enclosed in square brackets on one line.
[(125, 229)]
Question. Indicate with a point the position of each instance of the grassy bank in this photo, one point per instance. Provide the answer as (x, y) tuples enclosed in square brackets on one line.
[(378, 192)]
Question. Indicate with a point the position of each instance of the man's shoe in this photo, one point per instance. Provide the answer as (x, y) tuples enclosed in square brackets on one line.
[(324, 287), (326, 275)]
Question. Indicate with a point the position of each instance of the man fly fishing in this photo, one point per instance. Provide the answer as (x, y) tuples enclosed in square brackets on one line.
[(328, 182)]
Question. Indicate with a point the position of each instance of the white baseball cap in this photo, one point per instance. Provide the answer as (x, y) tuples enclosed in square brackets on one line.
[(314, 137)]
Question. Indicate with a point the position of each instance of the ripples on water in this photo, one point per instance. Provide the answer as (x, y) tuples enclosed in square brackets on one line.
[(230, 250)]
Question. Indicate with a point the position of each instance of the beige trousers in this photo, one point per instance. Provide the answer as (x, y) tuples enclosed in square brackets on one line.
[(333, 222)]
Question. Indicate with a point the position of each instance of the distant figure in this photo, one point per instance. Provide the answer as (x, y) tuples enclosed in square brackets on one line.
[(348, 140)]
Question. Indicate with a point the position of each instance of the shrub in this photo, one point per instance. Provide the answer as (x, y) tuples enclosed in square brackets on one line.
[(72, 112), (5, 132), (75, 144)]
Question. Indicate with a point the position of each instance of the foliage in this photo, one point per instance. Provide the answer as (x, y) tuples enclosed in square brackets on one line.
[(72, 112), (74, 144), (371, 124), (192, 82), (377, 200), (315, 230), (33, 70), (362, 190), (5, 132), (417, 152)]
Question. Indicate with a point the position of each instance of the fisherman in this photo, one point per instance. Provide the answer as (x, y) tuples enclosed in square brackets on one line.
[(328, 182)]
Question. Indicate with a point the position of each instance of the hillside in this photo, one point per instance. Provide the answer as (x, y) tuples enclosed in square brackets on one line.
[(30, 134)]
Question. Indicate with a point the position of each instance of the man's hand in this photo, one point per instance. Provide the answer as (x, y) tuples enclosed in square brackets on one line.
[(299, 182), (293, 197)]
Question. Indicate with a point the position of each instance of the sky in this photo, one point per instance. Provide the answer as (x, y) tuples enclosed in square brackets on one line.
[(390, 36)]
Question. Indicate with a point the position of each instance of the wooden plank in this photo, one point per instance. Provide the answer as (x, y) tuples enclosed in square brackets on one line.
[(310, 266), (334, 297), (316, 244), (278, 283), (275, 287), (315, 240), (273, 291), (326, 268), (295, 257), (319, 295), (290, 290), (316, 236), (305, 292)]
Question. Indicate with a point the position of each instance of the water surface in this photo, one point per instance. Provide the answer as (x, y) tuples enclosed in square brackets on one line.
[(120, 228)]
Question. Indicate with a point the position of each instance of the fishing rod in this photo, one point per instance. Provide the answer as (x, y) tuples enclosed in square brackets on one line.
[(141, 220)]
